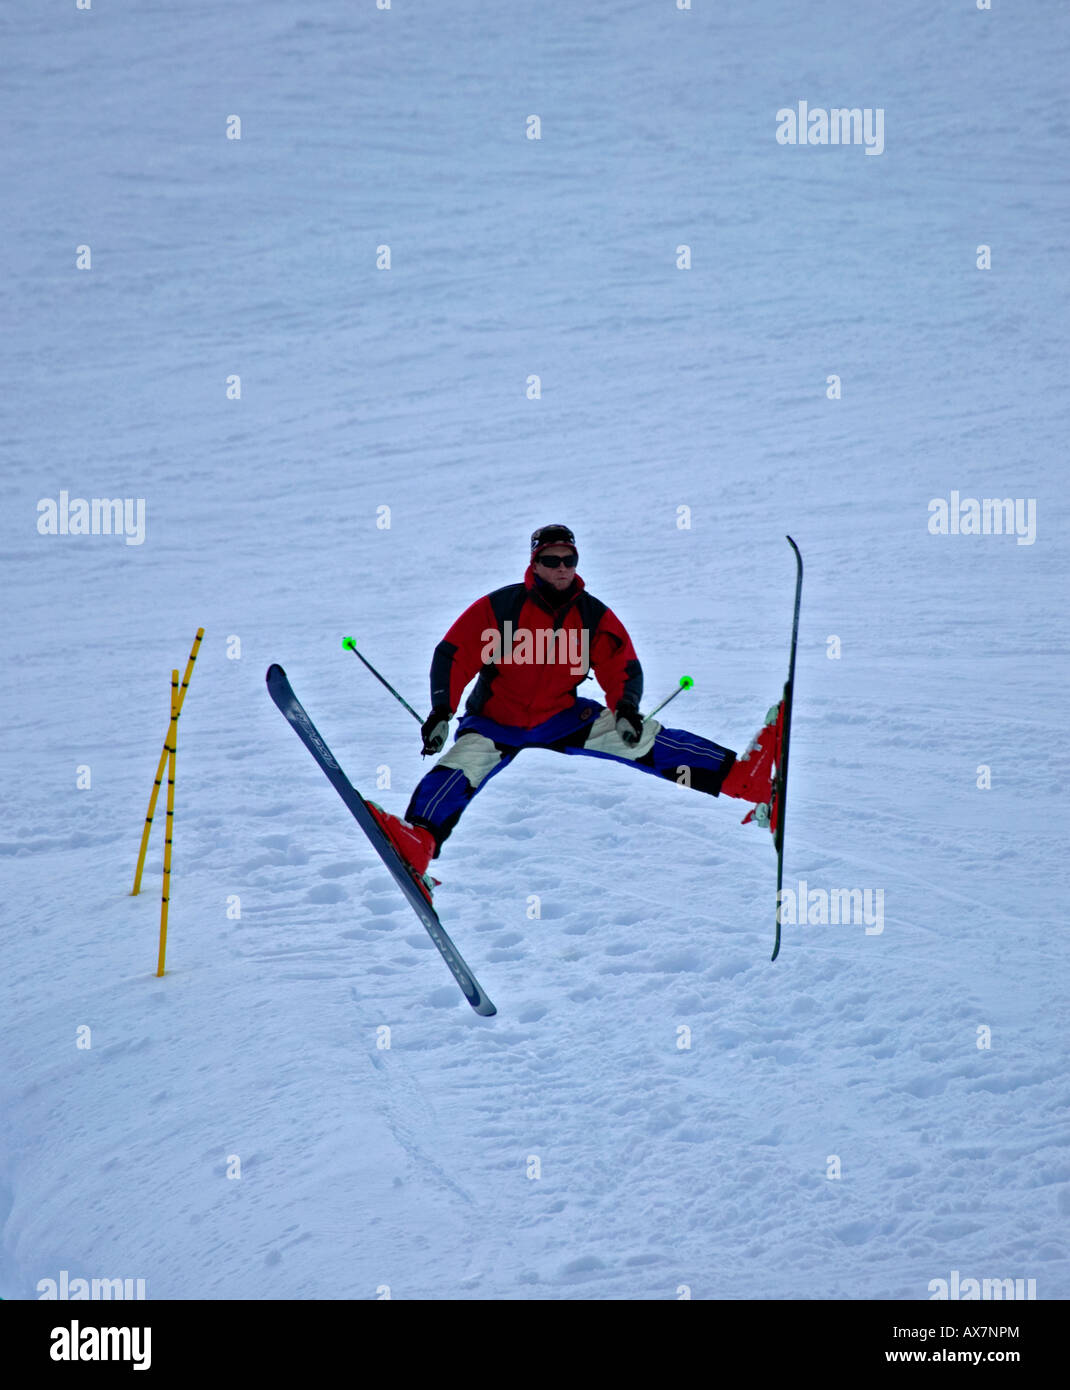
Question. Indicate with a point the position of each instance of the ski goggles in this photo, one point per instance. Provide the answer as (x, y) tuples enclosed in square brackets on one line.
[(552, 561)]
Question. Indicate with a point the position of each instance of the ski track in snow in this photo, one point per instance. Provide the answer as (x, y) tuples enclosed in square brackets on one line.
[(409, 1167)]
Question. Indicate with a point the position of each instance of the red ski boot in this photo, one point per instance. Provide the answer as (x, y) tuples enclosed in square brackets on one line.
[(414, 843), (751, 775), (765, 813)]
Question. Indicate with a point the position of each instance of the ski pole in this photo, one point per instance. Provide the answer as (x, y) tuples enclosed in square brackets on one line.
[(685, 684), (349, 645)]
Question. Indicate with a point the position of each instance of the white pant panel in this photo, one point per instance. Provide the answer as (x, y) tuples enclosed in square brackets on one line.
[(475, 755), (604, 738)]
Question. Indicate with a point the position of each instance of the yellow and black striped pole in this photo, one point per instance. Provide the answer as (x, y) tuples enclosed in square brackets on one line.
[(171, 749), (163, 763)]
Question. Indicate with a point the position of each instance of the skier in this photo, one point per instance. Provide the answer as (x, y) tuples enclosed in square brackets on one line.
[(532, 644)]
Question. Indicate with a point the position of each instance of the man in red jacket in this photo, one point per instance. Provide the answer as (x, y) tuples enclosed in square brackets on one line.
[(531, 645)]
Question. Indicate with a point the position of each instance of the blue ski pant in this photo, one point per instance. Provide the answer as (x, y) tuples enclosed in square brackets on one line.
[(481, 748)]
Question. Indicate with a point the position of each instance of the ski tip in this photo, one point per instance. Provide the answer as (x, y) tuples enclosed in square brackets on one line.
[(274, 671)]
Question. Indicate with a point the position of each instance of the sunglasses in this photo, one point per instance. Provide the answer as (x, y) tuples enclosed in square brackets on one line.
[(552, 561)]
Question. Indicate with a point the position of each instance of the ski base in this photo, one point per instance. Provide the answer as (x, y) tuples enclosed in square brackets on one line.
[(281, 692), (780, 784)]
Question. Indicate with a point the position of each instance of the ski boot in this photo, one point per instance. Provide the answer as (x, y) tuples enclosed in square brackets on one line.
[(413, 843), (751, 777), (765, 813)]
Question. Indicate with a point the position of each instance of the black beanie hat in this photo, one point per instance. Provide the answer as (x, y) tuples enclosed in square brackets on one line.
[(551, 535)]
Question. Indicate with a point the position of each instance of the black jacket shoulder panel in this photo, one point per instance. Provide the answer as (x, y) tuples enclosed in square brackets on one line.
[(591, 611), (508, 601)]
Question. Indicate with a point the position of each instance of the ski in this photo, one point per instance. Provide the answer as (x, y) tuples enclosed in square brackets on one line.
[(780, 784), (281, 692)]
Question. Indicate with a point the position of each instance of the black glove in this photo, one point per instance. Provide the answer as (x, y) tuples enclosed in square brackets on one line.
[(435, 728), (629, 723)]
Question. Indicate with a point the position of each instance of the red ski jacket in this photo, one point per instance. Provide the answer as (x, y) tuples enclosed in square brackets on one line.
[(531, 656)]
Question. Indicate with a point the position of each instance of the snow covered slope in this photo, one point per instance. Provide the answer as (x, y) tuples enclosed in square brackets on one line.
[(656, 1106)]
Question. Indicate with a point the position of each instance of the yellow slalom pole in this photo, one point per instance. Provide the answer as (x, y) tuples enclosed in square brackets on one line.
[(171, 750), (162, 763)]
